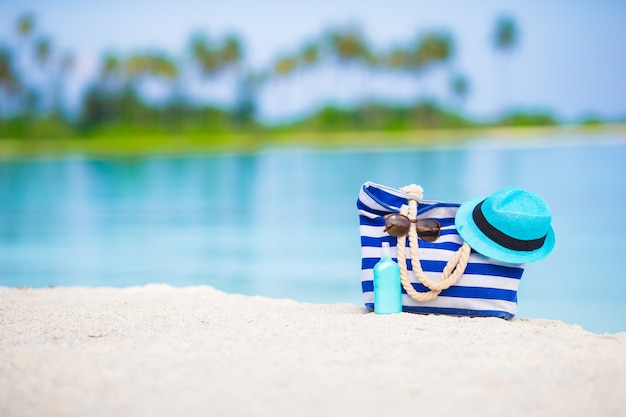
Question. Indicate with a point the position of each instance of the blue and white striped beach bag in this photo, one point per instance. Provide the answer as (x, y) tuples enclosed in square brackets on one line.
[(449, 278)]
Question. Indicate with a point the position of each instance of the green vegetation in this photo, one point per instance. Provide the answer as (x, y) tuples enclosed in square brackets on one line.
[(119, 111)]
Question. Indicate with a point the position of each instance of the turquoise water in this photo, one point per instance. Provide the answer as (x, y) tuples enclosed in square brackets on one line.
[(283, 223)]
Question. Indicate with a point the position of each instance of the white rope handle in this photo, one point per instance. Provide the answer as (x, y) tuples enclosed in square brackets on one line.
[(451, 273)]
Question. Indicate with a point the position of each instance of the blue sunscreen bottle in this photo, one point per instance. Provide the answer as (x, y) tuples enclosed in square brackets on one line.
[(387, 288)]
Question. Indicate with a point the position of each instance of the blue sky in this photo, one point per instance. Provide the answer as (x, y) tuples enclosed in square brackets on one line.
[(571, 57)]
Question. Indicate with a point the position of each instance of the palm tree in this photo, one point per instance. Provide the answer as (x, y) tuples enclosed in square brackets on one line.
[(286, 65), (203, 59), (110, 96), (430, 51), (505, 40), (212, 60), (43, 55), (203, 55), (64, 66), (459, 86), (110, 84), (424, 54), (243, 84), (231, 52), (143, 67), (393, 63), (396, 59), (245, 107), (167, 71), (9, 83), (24, 30), (309, 58), (310, 54), (351, 50), (43, 51), (506, 34), (427, 53), (111, 71), (25, 25), (284, 69), (349, 45)]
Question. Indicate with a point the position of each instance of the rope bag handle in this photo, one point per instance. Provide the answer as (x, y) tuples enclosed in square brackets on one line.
[(451, 273)]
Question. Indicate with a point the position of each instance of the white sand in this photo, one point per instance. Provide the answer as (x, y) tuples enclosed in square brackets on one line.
[(162, 351)]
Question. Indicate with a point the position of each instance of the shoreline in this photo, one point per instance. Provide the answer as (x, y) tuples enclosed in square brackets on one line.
[(112, 145), (158, 350)]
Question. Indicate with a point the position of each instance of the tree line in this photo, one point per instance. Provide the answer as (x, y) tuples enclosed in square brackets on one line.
[(154, 89)]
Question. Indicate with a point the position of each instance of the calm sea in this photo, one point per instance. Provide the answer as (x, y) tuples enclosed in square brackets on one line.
[(283, 222)]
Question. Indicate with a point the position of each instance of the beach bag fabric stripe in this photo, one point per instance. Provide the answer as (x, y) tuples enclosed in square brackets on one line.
[(486, 288)]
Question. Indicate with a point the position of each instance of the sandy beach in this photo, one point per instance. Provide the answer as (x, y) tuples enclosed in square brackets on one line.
[(195, 351)]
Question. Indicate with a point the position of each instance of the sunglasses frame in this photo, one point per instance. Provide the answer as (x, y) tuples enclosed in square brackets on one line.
[(416, 222)]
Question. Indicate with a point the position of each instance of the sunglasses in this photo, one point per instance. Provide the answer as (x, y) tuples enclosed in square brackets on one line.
[(398, 225)]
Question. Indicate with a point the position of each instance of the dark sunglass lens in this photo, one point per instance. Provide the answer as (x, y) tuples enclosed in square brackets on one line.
[(428, 229), (397, 225)]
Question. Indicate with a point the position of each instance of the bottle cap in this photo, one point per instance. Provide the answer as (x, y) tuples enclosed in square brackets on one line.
[(386, 253)]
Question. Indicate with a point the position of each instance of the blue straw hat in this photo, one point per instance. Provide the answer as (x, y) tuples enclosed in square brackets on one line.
[(512, 225)]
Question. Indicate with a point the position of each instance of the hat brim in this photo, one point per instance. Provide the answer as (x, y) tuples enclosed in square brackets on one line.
[(477, 240)]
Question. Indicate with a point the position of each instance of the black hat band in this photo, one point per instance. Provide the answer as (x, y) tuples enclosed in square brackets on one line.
[(502, 238)]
